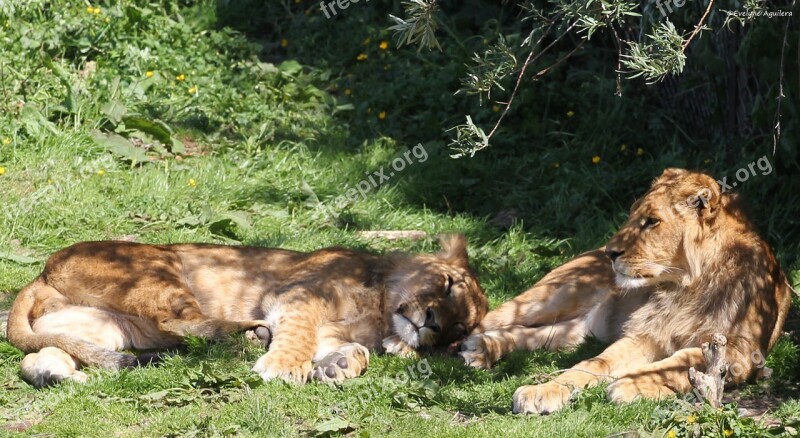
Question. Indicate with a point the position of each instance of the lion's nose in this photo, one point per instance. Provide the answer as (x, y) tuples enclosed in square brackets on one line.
[(430, 320)]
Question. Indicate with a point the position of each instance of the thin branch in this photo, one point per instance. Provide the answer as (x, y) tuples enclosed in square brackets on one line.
[(528, 61), (776, 128), (697, 28), (545, 70)]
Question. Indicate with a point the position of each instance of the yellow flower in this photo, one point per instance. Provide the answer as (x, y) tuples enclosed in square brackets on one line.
[(180, 77), (96, 11), (192, 90), (596, 159), (2, 170), (556, 165), (623, 147), (639, 151), (671, 434), (383, 45), (101, 172), (284, 42), (192, 182), (90, 10), (148, 74), (727, 432), (382, 115), (495, 108), (348, 91), (6, 140), (361, 56), (570, 113), (691, 419), (107, 20)]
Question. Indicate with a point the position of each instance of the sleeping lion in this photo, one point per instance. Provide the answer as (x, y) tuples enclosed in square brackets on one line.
[(320, 313), (685, 265)]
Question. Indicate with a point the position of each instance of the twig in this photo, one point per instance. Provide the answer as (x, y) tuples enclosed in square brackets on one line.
[(776, 127), (697, 28), (393, 235)]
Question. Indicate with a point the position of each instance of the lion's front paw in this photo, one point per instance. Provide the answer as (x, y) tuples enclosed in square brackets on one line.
[(475, 352), (278, 366), (349, 361), (627, 389), (541, 399), (396, 345)]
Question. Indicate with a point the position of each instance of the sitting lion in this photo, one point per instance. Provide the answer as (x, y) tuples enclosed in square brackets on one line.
[(686, 264), (321, 313)]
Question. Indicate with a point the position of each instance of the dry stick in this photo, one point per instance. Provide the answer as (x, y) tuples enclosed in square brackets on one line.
[(697, 28), (776, 129), (710, 385), (545, 70), (393, 235)]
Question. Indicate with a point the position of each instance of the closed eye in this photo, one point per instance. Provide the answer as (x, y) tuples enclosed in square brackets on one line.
[(651, 222), (448, 286)]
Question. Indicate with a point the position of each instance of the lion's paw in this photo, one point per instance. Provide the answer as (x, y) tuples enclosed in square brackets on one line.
[(349, 361), (541, 399), (627, 389), (273, 366), (475, 352), (259, 336), (396, 345)]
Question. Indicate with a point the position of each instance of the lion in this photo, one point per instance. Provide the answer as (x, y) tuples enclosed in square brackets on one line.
[(685, 265), (319, 313)]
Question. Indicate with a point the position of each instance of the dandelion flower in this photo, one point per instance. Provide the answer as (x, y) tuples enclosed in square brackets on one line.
[(727, 432), (148, 74), (570, 113), (6, 140), (2, 170), (691, 419), (382, 115), (639, 152), (180, 77), (623, 147), (192, 182), (361, 56), (671, 434), (96, 11), (284, 42), (90, 10), (383, 45), (348, 91), (596, 159), (192, 90), (101, 172)]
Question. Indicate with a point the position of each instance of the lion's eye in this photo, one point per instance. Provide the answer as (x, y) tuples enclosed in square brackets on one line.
[(651, 222), (448, 288)]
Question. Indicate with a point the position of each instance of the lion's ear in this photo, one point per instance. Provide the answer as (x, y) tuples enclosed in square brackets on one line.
[(703, 194), (454, 249)]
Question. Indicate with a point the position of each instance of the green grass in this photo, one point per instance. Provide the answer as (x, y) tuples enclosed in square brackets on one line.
[(267, 143)]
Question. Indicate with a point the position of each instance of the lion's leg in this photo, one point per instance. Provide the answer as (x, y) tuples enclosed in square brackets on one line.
[(619, 358), (50, 366), (337, 358), (295, 321), (482, 350), (179, 314), (657, 380)]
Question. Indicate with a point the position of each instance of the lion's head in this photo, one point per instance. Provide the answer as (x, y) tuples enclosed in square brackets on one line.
[(435, 299), (662, 240)]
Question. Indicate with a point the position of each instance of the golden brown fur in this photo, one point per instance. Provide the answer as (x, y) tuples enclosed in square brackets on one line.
[(320, 312), (685, 265)]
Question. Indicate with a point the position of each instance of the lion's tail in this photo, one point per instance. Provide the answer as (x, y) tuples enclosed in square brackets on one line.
[(21, 335)]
